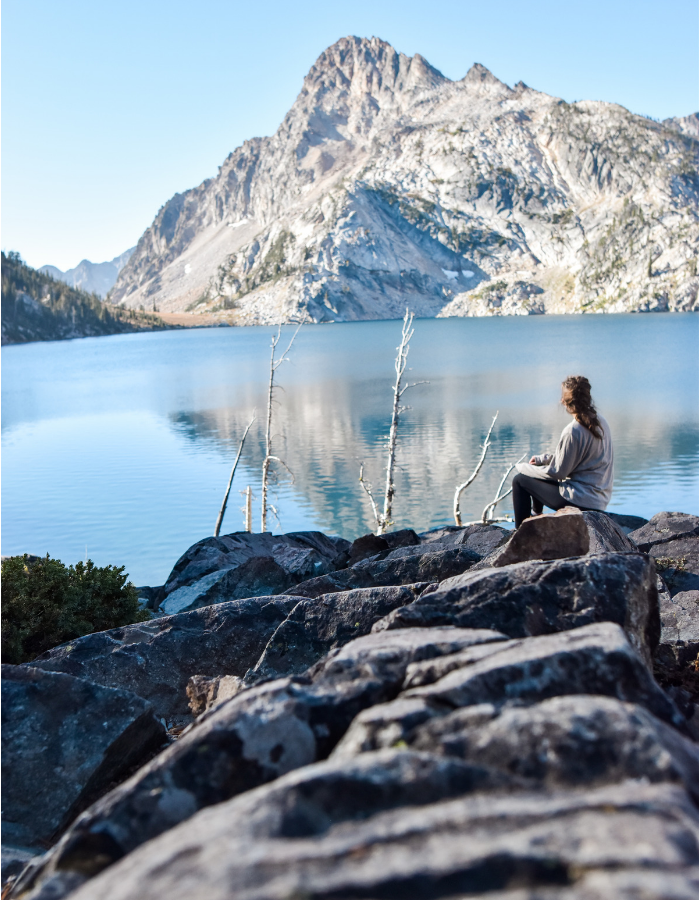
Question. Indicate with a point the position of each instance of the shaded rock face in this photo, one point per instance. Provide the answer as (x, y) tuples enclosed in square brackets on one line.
[(383, 827), (64, 742), (605, 534), (664, 527), (156, 659), (536, 597), (318, 625), (241, 565), (409, 566), (371, 544)]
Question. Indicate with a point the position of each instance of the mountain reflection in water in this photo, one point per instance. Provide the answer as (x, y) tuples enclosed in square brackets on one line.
[(125, 443)]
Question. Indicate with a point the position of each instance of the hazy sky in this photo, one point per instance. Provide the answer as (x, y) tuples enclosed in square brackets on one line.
[(109, 108)]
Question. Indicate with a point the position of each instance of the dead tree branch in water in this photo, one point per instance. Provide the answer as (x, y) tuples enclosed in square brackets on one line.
[(383, 519), (487, 515), (220, 517), (462, 487), (269, 458)]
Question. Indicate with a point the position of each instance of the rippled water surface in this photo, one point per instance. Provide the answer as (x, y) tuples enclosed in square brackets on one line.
[(121, 447)]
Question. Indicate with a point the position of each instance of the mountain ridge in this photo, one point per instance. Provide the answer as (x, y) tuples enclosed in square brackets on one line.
[(387, 185), (98, 278)]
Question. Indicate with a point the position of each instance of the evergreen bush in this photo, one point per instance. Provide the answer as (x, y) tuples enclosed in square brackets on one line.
[(45, 603)]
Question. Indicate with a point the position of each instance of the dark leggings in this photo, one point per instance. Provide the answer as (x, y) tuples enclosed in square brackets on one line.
[(530, 495)]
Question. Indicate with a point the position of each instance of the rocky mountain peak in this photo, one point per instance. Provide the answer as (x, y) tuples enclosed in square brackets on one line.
[(388, 184)]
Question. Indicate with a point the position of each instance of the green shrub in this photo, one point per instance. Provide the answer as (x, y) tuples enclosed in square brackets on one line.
[(45, 603)]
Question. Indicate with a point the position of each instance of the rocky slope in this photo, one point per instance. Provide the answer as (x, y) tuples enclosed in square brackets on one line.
[(387, 185), (97, 278), (463, 712)]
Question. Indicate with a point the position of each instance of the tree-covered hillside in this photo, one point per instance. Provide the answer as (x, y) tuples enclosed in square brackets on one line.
[(36, 307)]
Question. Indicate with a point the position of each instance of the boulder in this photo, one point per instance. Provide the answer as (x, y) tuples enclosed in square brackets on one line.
[(411, 565), (627, 523), (317, 625), (575, 740), (243, 564), (481, 539), (383, 827), (663, 527), (676, 658), (541, 597), (372, 544), (605, 535), (594, 659), (65, 741), (677, 563), (554, 536), (259, 735), (156, 659), (679, 620)]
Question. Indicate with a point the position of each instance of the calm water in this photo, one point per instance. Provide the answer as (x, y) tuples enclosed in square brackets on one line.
[(121, 447)]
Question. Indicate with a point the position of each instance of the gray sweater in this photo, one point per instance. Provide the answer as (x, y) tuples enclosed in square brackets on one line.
[(582, 464)]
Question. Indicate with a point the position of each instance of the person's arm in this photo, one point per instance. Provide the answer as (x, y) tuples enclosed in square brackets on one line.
[(566, 457), (543, 460)]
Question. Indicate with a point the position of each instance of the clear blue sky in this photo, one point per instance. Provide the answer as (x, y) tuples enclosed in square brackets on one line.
[(109, 108)]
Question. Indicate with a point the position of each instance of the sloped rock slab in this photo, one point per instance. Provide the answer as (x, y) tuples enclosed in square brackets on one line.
[(244, 564), (370, 831), (542, 597), (605, 534), (254, 738), (64, 742), (318, 625), (578, 741), (594, 659), (664, 527), (409, 566), (369, 545), (156, 659), (677, 563)]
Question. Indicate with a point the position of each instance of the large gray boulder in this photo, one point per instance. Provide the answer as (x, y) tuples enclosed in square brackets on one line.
[(403, 825), (541, 597), (241, 565), (317, 625), (156, 659), (546, 537), (256, 737), (594, 659), (407, 565), (65, 741), (576, 740)]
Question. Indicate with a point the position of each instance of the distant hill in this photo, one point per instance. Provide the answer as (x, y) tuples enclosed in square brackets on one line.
[(388, 185), (36, 307), (95, 278)]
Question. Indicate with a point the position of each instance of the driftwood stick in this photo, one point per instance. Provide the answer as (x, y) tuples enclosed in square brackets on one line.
[(220, 517), (462, 487), (400, 367)]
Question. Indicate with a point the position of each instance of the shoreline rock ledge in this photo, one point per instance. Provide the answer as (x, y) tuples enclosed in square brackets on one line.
[(449, 714)]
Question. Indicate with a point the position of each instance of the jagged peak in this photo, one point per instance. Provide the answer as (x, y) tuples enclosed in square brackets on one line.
[(354, 57), (479, 74)]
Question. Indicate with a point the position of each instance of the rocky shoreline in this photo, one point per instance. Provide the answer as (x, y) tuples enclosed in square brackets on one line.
[(462, 712)]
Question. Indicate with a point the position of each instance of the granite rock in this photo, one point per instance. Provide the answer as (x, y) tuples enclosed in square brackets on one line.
[(156, 659), (65, 741)]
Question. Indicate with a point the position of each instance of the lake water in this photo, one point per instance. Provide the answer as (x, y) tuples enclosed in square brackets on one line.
[(120, 447)]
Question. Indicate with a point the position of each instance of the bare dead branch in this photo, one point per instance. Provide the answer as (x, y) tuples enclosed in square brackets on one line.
[(487, 516), (462, 487), (274, 365), (220, 517), (413, 384), (368, 490)]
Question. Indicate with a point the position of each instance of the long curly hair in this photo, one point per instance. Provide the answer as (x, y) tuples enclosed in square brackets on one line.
[(576, 395)]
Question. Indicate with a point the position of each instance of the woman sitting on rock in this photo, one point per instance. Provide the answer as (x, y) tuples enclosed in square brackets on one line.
[(581, 471)]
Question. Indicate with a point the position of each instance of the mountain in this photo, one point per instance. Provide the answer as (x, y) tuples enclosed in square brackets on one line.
[(35, 307), (97, 278), (387, 185)]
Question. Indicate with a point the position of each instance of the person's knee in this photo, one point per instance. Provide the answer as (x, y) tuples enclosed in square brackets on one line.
[(517, 480)]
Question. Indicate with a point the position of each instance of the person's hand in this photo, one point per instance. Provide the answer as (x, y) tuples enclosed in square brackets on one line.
[(533, 461)]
